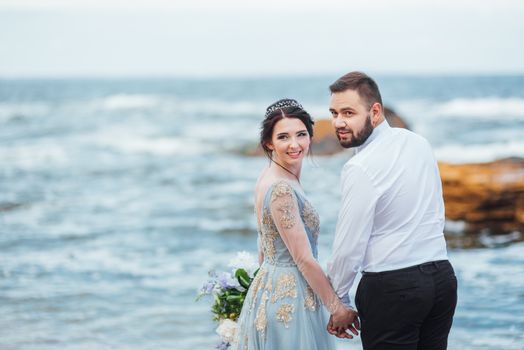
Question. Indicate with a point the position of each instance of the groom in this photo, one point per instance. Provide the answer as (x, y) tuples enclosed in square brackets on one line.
[(390, 228)]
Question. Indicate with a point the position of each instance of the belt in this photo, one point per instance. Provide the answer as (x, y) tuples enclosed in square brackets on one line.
[(437, 264)]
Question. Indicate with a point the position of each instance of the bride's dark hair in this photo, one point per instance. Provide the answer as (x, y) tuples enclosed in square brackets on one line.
[(284, 108)]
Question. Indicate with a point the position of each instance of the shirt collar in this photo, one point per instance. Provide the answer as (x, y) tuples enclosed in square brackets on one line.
[(381, 129)]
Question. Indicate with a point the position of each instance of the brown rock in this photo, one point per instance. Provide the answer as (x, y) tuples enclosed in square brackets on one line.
[(485, 195), (325, 141), (394, 119), (519, 211)]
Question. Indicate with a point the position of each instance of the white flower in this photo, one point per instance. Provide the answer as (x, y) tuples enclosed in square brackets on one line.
[(227, 330), (246, 261)]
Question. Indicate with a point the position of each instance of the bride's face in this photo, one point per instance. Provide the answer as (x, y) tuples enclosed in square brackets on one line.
[(290, 141)]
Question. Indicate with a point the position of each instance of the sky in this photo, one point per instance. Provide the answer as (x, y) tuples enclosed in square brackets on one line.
[(208, 38)]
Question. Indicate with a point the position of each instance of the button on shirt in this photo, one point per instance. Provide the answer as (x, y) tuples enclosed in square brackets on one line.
[(392, 210)]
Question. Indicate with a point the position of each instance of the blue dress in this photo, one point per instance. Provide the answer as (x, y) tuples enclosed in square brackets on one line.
[(281, 311)]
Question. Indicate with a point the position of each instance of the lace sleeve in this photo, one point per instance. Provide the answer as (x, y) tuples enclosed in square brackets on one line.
[(285, 212)]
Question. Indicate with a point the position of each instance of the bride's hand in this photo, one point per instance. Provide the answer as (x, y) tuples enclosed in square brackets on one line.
[(344, 319)]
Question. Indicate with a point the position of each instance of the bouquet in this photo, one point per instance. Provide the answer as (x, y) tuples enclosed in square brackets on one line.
[(229, 289)]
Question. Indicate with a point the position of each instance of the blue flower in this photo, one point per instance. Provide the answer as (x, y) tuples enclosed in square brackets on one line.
[(227, 281), (207, 288)]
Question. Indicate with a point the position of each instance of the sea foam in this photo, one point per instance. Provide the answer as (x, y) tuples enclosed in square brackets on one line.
[(458, 153), (483, 107)]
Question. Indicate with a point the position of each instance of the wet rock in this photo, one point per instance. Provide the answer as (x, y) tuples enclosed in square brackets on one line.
[(8, 206), (394, 119), (486, 196), (519, 211), (325, 141)]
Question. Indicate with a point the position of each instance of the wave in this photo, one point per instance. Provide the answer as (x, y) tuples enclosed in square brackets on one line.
[(127, 101), (487, 107), (162, 103), (177, 104), (483, 107), (220, 107), (480, 152), (156, 146), (132, 142), (33, 156), (484, 273), (101, 260)]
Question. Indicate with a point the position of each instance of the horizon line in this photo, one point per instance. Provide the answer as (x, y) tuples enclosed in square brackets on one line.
[(234, 76)]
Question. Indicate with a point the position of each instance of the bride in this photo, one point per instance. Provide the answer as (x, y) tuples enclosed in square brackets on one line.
[(284, 307)]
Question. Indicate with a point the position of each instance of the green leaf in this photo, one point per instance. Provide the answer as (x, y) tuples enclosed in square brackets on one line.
[(243, 278), (233, 298)]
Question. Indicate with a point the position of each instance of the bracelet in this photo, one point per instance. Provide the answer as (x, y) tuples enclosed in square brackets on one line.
[(333, 306)]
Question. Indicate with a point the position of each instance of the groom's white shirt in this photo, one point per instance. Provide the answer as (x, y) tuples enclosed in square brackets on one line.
[(392, 211)]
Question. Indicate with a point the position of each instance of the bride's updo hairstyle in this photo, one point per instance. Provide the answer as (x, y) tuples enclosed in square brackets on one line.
[(285, 108)]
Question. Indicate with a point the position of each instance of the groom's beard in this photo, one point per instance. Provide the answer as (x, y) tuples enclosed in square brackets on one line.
[(359, 138)]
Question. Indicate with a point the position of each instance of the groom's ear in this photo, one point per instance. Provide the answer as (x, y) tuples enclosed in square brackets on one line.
[(376, 111)]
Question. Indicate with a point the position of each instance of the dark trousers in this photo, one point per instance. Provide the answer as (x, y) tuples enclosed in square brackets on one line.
[(408, 309)]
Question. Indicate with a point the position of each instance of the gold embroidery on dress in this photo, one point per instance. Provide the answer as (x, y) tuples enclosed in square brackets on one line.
[(256, 284), (269, 235), (309, 299), (281, 189), (311, 218), (261, 320), (286, 287), (284, 192), (287, 219), (284, 314)]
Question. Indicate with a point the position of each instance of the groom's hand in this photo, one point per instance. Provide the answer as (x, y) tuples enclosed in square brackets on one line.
[(344, 319), (337, 333)]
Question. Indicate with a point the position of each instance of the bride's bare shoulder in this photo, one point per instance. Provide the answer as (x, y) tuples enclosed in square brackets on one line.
[(261, 187), (264, 183), (280, 184)]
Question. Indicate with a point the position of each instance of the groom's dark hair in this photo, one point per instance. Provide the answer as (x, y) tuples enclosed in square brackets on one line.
[(364, 85)]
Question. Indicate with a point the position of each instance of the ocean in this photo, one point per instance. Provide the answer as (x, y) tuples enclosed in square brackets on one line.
[(117, 196)]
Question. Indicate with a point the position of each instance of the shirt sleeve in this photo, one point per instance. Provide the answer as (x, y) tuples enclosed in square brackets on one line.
[(286, 215), (353, 230)]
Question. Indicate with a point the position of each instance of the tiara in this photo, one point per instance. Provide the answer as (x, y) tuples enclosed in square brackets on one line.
[(284, 103)]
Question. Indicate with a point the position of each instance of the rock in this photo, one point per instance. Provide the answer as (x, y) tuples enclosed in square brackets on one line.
[(486, 196), (394, 119), (8, 206), (325, 141)]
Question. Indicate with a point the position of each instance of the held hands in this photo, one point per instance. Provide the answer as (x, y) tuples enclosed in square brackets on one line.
[(344, 319)]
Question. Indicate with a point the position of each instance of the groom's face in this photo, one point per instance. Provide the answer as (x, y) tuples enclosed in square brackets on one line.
[(351, 118)]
